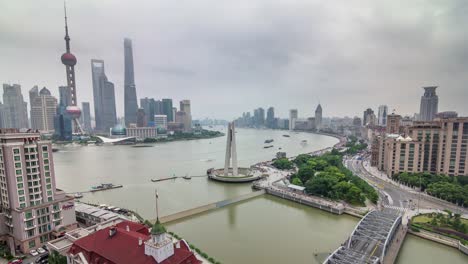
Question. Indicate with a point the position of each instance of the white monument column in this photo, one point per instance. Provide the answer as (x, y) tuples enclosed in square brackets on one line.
[(234, 152), (227, 162)]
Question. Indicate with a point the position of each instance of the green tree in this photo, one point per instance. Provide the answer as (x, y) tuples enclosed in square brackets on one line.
[(297, 181), (283, 164), (56, 258)]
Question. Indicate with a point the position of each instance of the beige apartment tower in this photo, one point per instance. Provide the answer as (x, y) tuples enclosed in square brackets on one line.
[(33, 210)]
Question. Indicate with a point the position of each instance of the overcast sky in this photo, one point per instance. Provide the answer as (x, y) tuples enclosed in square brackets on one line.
[(228, 57)]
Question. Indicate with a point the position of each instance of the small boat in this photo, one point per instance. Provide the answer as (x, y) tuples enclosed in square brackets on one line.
[(186, 177), (105, 186), (268, 141), (286, 136), (142, 146), (78, 195), (270, 146), (304, 141)]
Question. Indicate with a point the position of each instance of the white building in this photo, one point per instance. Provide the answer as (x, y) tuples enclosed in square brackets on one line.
[(142, 132), (292, 118), (43, 110), (160, 121)]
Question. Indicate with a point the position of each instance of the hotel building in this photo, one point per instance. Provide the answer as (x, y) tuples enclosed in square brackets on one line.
[(33, 210)]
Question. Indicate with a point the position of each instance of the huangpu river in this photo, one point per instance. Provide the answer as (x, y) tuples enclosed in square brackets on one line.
[(261, 230)]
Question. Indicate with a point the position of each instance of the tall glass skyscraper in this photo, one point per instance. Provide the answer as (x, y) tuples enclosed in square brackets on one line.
[(104, 98), (130, 98)]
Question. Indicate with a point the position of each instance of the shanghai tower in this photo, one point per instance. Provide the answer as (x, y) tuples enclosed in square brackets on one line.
[(130, 98)]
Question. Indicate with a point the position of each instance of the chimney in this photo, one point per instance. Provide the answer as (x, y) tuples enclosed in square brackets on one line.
[(127, 228), (140, 241), (112, 231)]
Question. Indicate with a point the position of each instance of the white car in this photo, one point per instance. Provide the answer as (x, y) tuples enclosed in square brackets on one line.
[(33, 253), (41, 250)]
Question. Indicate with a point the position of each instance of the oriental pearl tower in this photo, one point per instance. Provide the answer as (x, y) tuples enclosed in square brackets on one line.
[(69, 60)]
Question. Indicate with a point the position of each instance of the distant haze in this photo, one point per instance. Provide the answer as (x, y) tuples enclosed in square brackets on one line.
[(233, 56)]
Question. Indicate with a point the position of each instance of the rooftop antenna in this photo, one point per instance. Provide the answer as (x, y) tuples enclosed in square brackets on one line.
[(157, 211), (67, 38)]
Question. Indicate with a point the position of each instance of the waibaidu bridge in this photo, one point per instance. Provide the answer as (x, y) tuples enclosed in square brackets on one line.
[(371, 240)]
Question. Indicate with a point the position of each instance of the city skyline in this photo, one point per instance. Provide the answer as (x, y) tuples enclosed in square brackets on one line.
[(160, 73)]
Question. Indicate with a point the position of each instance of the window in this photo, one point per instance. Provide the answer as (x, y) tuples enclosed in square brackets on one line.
[(46, 167), (16, 151), (28, 214), (21, 192), (49, 199), (17, 158), (19, 172), (46, 161), (49, 192), (49, 186), (19, 179), (47, 174), (17, 164), (44, 148), (20, 185), (47, 180), (45, 155), (21, 199), (22, 205)]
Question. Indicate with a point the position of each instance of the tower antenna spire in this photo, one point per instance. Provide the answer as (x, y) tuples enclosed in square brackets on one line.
[(67, 38)]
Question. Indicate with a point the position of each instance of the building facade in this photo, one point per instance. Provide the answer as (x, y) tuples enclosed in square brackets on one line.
[(318, 118), (429, 104), (382, 118), (43, 110), (130, 97), (15, 106), (393, 124), (86, 117), (167, 109), (160, 121), (293, 114), (104, 97), (438, 146), (34, 210), (142, 132), (185, 107)]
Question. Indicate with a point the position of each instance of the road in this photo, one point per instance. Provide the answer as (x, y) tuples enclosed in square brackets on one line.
[(396, 196)]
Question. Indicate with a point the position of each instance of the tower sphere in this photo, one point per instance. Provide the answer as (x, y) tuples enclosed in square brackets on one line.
[(74, 111), (68, 59)]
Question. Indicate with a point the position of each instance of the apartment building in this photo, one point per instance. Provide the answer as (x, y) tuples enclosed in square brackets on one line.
[(33, 210)]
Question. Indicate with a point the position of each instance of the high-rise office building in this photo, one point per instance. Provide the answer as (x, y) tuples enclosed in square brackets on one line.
[(35, 211), (104, 97), (185, 107), (130, 97), (318, 117), (149, 107), (167, 109), (4, 118), (86, 117), (16, 107), (64, 95), (33, 93), (367, 117), (141, 118), (393, 124), (382, 118), (292, 118), (62, 121), (270, 118), (429, 104), (43, 110)]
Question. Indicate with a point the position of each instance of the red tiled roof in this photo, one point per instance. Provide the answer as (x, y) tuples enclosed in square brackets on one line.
[(123, 248)]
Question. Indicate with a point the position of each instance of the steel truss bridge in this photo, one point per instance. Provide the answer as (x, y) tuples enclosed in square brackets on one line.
[(369, 240)]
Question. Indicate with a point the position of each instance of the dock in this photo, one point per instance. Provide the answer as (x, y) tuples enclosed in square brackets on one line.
[(107, 188)]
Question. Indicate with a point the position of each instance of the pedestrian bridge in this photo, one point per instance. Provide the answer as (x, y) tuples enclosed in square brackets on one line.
[(370, 239)]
